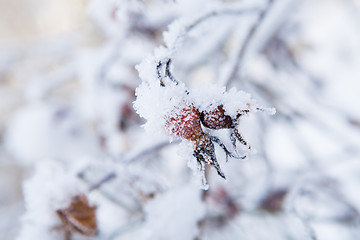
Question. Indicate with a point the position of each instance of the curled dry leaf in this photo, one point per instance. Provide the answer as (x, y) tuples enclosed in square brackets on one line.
[(79, 217)]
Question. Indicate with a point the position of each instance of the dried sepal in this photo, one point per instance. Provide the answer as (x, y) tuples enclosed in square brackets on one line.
[(205, 152), (79, 216)]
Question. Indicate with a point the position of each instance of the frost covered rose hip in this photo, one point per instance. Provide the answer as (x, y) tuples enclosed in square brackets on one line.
[(191, 115), (184, 122), (216, 118)]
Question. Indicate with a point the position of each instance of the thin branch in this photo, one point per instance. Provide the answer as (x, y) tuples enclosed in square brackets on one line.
[(107, 63), (105, 179), (105, 194), (168, 73), (226, 11), (310, 232), (126, 228), (237, 64), (155, 147), (290, 199), (112, 175)]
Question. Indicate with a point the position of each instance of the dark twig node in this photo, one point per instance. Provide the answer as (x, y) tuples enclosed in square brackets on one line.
[(168, 74)]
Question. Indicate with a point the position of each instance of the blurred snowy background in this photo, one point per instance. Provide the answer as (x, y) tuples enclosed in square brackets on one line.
[(67, 123)]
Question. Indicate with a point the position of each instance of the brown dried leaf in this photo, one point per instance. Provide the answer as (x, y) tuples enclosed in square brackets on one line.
[(79, 217)]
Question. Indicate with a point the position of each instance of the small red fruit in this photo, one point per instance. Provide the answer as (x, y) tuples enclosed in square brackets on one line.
[(216, 119), (184, 122)]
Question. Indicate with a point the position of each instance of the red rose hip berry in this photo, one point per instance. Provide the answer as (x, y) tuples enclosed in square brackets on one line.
[(216, 118), (184, 122)]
